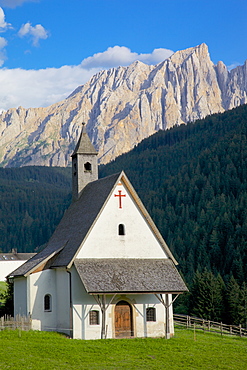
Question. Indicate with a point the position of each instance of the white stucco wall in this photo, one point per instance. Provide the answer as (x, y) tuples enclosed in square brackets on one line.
[(63, 300), (83, 303), (6, 267), (42, 283), (29, 296), (138, 241)]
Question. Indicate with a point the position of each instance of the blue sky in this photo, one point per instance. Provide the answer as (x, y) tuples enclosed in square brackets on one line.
[(49, 47)]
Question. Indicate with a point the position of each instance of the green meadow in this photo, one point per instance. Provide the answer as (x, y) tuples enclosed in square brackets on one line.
[(186, 350)]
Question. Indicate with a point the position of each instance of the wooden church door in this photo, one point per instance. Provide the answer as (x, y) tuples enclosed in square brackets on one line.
[(123, 320)]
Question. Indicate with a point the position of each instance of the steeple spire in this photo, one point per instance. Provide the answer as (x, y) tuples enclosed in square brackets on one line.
[(84, 145), (84, 164)]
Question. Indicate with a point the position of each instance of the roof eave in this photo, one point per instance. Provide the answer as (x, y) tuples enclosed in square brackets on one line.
[(138, 292), (29, 272)]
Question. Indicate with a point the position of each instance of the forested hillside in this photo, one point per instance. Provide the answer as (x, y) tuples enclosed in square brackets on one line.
[(32, 202), (193, 181)]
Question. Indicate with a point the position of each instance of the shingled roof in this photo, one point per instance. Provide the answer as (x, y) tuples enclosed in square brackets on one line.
[(130, 275), (84, 145)]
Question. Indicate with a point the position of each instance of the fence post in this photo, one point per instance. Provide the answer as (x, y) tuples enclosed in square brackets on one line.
[(187, 321)]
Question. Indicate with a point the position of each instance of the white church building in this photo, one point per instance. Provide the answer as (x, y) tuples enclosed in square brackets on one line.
[(106, 272)]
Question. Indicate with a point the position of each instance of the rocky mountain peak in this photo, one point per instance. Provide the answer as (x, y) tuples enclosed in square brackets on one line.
[(121, 107)]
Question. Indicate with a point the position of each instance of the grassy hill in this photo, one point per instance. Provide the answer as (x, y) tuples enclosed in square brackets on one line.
[(43, 350)]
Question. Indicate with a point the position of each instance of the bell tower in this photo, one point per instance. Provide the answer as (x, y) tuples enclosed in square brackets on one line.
[(84, 164)]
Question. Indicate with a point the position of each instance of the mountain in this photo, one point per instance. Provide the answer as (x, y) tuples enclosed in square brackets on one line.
[(121, 107)]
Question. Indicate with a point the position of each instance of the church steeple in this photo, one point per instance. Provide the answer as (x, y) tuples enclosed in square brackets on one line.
[(84, 164)]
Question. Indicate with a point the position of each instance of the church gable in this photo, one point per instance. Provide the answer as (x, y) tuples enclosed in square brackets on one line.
[(123, 229)]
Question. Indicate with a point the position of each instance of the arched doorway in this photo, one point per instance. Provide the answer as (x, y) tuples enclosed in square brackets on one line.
[(123, 320)]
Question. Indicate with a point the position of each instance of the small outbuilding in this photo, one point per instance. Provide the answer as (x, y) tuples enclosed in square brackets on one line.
[(10, 261), (106, 271)]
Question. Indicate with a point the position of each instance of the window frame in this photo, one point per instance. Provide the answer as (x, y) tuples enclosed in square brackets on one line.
[(150, 314), (121, 229), (94, 317), (87, 167), (48, 303)]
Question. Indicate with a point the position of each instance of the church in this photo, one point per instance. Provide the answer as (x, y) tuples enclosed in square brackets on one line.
[(106, 272)]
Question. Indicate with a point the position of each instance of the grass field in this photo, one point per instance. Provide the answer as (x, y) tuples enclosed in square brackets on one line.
[(50, 351)]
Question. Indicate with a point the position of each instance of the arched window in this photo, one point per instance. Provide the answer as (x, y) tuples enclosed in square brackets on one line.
[(150, 314), (121, 229), (47, 302), (94, 317), (87, 167)]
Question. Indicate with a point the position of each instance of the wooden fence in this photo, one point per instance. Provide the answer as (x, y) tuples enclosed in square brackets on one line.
[(19, 322), (184, 321), (207, 325)]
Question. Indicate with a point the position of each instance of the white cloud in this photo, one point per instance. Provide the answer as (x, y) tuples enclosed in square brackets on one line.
[(14, 3), (40, 88), (37, 32), (122, 56), (36, 88), (157, 56), (3, 42), (3, 25), (233, 65)]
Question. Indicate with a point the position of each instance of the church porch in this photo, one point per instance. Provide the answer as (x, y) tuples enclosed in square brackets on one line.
[(123, 298)]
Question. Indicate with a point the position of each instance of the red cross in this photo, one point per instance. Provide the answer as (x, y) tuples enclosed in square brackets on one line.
[(120, 196)]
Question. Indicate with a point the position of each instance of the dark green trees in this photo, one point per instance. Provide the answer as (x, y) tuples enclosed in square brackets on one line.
[(211, 299), (207, 296), (7, 298), (32, 202)]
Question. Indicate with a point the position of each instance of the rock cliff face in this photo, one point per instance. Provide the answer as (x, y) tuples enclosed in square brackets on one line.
[(122, 106)]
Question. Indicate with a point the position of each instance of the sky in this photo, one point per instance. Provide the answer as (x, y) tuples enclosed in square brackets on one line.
[(50, 47)]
